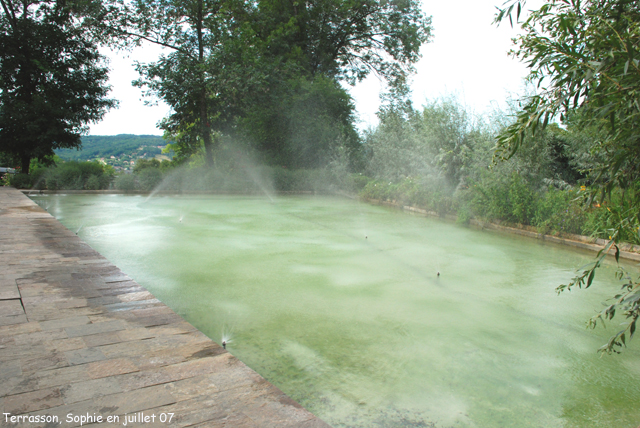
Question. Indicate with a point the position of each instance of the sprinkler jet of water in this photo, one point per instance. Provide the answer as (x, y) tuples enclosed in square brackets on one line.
[(225, 340)]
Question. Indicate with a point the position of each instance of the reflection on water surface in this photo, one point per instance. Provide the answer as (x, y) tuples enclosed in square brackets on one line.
[(339, 304)]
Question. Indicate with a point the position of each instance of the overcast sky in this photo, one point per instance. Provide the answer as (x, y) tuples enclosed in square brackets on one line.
[(467, 57)]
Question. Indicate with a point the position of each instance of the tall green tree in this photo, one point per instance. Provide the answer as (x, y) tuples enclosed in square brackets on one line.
[(344, 39), (585, 57), (314, 46), (52, 81), (187, 77), (269, 71), (300, 122)]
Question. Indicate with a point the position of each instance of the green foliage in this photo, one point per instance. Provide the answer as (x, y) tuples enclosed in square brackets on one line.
[(301, 122), (346, 39), (426, 158), (614, 215), (93, 183), (503, 197), (551, 212), (146, 164), (357, 182), (441, 142), (198, 78), (51, 80), (464, 216), (299, 113), (521, 199), (149, 179), (9, 160), (148, 174), (125, 182), (429, 195), (450, 131), (65, 176), (302, 180), (585, 61), (19, 181), (396, 148), (78, 176)]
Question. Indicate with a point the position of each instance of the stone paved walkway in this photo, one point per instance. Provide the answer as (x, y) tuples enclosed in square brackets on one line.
[(81, 343)]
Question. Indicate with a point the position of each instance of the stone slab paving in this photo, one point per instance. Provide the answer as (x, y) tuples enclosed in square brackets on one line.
[(81, 343)]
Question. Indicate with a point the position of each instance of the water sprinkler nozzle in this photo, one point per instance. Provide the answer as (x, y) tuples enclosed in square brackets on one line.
[(224, 344), (438, 273)]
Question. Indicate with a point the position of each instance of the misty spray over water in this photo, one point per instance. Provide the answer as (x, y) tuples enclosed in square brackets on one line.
[(236, 171)]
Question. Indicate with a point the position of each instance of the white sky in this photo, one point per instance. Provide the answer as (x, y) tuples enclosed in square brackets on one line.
[(467, 57)]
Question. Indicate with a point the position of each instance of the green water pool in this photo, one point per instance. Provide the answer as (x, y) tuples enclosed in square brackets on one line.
[(338, 303)]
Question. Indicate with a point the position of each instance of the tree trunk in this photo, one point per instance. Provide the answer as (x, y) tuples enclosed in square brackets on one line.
[(206, 130), (25, 160), (205, 127)]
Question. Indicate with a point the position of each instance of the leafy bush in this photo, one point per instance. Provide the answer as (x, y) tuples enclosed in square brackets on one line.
[(125, 182), (601, 220), (19, 181), (149, 179), (93, 183), (357, 182), (77, 176), (142, 164), (557, 211), (500, 197), (522, 200)]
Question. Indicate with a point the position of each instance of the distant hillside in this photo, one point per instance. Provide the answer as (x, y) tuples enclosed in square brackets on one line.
[(119, 151), (105, 146)]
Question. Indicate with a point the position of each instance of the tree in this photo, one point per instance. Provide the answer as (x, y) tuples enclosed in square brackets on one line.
[(344, 39), (308, 49), (300, 122), (51, 80), (199, 78), (585, 58), (247, 68)]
